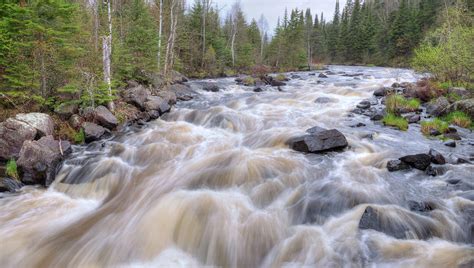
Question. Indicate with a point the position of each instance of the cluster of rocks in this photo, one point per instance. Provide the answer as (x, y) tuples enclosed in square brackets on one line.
[(319, 140), (431, 163), (267, 80), (29, 138)]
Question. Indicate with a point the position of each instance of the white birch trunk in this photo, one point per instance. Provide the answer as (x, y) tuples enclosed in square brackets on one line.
[(160, 32), (107, 52)]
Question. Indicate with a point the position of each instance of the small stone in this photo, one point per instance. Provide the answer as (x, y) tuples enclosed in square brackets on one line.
[(365, 104), (322, 75), (437, 157), (435, 171), (450, 144)]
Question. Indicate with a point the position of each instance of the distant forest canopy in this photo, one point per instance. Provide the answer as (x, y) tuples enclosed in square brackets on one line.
[(52, 48)]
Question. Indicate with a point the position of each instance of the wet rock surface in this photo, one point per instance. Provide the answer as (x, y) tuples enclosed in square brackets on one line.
[(319, 141)]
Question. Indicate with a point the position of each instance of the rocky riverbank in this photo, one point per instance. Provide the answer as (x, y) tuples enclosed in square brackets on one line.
[(32, 140)]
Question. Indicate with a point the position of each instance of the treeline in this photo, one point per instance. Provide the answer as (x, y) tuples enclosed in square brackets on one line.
[(83, 50)]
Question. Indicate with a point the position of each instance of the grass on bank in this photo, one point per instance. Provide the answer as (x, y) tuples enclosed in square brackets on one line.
[(396, 103), (12, 169), (459, 119), (395, 121), (427, 127)]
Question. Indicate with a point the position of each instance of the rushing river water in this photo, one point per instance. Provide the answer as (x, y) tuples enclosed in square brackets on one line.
[(214, 183)]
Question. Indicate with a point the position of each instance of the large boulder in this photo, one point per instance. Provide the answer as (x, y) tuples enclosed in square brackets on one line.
[(155, 103), (12, 135), (43, 123), (320, 141), (168, 96), (460, 92), (66, 110), (93, 131), (105, 118), (418, 161), (396, 165), (38, 159), (466, 106), (438, 107), (136, 96), (182, 92)]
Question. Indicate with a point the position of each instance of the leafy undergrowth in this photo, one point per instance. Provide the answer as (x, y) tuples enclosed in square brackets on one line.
[(11, 169), (435, 125), (396, 103), (395, 121), (459, 119)]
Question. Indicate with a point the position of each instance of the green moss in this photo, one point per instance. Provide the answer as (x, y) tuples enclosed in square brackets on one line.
[(434, 125), (395, 121), (12, 169), (460, 119), (80, 137), (249, 80), (396, 103)]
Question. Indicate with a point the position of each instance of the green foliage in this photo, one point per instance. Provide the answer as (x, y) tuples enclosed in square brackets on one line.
[(80, 137), (248, 80), (395, 121), (396, 103), (460, 119), (447, 52), (434, 125), (11, 169)]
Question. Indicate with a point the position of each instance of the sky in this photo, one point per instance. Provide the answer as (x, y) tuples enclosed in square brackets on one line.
[(272, 9)]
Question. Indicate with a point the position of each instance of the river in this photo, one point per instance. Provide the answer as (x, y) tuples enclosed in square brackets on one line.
[(214, 183)]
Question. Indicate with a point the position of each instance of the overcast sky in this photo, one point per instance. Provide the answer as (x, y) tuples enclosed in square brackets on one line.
[(272, 9)]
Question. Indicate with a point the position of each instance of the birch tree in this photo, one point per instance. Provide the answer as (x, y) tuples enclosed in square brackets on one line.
[(107, 53), (233, 19), (160, 33), (263, 27), (175, 7), (205, 10)]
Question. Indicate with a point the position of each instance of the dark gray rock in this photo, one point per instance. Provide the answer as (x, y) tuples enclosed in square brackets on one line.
[(413, 118), (358, 125), (155, 103), (377, 115), (365, 104), (93, 132), (43, 123), (414, 226), (460, 92), (450, 144), (38, 159), (66, 110), (10, 185), (437, 157), (453, 136), (177, 78), (418, 161), (383, 91), (168, 96), (322, 75), (211, 87), (276, 83), (105, 118), (322, 141), (257, 89), (12, 135), (437, 107), (75, 121), (136, 96), (421, 207), (295, 76), (315, 130), (397, 165)]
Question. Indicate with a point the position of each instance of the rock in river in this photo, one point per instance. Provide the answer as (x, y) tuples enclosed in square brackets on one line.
[(396, 165), (437, 157), (93, 131), (105, 118), (321, 141), (418, 161)]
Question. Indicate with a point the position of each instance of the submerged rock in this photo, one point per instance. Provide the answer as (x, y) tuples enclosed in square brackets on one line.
[(12, 135), (211, 87), (276, 83), (322, 75), (324, 100), (10, 185), (321, 141), (450, 144), (418, 161), (365, 104)]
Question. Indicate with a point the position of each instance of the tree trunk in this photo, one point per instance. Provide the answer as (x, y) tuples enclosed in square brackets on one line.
[(160, 32), (107, 52)]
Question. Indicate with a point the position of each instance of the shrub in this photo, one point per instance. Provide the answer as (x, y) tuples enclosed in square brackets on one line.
[(459, 119), (435, 125), (80, 137), (397, 103), (395, 121), (248, 80), (11, 169)]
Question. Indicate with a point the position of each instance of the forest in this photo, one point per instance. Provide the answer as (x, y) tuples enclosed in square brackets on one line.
[(83, 51)]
